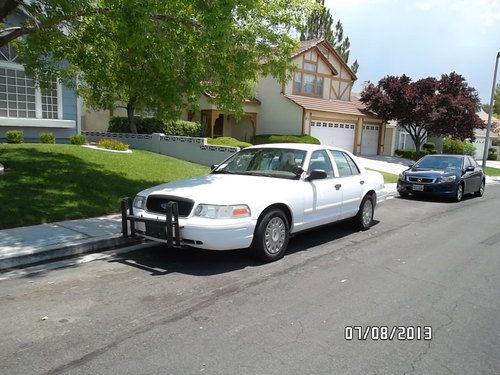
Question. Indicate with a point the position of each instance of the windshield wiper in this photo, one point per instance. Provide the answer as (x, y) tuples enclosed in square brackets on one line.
[(225, 172)]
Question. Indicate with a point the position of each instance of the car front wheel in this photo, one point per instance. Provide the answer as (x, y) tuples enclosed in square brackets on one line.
[(271, 236), (460, 192), (480, 192), (364, 217)]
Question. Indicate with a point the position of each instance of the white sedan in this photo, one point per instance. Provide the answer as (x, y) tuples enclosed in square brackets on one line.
[(257, 198)]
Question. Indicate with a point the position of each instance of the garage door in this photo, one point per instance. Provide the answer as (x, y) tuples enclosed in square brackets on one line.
[(370, 140), (479, 143), (334, 134)]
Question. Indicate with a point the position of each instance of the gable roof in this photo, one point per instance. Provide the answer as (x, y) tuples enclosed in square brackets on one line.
[(307, 45)]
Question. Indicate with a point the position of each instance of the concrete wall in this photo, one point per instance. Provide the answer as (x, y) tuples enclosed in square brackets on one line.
[(277, 114), (191, 149)]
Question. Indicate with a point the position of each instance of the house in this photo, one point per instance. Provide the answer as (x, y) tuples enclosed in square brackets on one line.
[(24, 106), (318, 101)]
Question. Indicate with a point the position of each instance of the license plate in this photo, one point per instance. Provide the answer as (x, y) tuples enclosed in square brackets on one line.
[(156, 230), (418, 187)]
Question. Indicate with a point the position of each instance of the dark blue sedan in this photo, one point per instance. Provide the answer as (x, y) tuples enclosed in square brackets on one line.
[(444, 175)]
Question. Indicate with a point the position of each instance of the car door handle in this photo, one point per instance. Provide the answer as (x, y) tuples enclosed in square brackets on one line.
[(362, 182), (338, 186)]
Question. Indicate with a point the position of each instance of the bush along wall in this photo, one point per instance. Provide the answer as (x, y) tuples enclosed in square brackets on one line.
[(14, 136), (150, 125), (277, 138), (458, 147)]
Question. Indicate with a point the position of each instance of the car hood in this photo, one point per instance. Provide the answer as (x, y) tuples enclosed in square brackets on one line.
[(223, 188), (432, 173)]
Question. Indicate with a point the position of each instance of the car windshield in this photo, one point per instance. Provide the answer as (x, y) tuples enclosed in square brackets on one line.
[(440, 162), (270, 162)]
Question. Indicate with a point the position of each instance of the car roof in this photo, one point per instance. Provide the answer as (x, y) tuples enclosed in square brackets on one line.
[(448, 155), (297, 146)]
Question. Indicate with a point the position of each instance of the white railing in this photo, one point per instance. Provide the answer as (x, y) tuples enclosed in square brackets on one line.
[(192, 149)]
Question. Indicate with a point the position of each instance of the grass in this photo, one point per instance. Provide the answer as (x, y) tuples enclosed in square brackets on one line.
[(492, 171), (389, 178), (45, 183)]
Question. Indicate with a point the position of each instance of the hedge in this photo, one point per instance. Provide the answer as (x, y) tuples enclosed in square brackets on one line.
[(150, 125), (228, 141), (47, 138), (410, 153), (112, 144), (78, 139), (276, 138), (492, 153), (458, 147)]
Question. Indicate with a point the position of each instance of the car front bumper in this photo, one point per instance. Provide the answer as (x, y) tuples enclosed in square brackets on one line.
[(210, 234), (446, 189)]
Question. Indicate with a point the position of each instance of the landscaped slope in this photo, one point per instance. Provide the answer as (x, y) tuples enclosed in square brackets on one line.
[(45, 183)]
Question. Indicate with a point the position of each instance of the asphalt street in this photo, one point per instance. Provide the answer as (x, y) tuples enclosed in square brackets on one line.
[(160, 311)]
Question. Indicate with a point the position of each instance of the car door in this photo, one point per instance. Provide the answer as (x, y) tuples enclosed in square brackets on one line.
[(351, 181), (477, 175), (468, 176), (324, 200)]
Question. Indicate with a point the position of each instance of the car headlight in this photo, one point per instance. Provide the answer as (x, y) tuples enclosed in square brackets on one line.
[(447, 179), (140, 202), (211, 211), (402, 177)]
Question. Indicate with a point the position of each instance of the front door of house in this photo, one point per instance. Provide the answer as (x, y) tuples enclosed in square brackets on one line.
[(219, 126)]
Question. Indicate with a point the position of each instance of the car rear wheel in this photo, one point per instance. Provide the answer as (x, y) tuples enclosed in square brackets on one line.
[(480, 192), (364, 217), (271, 236), (404, 194), (460, 192)]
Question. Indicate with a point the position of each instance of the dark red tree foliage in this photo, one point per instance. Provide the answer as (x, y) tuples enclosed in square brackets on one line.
[(442, 107)]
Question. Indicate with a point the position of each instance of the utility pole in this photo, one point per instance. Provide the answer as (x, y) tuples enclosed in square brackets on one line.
[(488, 128)]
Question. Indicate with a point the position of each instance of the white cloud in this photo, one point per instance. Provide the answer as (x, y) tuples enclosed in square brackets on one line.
[(424, 5)]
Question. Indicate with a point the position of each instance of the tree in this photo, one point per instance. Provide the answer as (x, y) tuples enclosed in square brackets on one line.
[(160, 55), (444, 107), (496, 103), (320, 25)]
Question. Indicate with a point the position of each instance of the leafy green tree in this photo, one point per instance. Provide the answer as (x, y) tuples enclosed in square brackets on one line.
[(159, 55), (320, 24), (496, 103)]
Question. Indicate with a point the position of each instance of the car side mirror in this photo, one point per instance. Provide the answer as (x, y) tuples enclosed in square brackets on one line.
[(470, 169), (213, 166), (316, 174), (410, 165)]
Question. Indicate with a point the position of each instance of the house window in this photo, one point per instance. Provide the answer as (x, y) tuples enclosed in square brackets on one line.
[(310, 84), (50, 101), (17, 94)]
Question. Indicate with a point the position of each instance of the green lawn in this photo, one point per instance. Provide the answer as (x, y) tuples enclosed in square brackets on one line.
[(46, 183), (389, 178), (492, 171)]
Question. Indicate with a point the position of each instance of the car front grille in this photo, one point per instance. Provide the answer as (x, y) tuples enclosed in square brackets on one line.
[(154, 204), (422, 180)]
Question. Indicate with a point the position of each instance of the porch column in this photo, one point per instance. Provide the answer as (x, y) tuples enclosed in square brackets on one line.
[(358, 136)]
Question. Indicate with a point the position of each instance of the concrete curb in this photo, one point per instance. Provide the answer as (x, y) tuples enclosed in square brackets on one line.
[(58, 253)]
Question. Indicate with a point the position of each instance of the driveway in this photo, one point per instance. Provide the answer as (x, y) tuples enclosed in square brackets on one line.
[(389, 164), (161, 311)]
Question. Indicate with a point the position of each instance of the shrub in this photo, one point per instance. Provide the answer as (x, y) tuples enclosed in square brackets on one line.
[(14, 136), (112, 144), (492, 154), (276, 138), (410, 153), (430, 148), (184, 128), (47, 138), (78, 139), (145, 125), (228, 141), (469, 148), (495, 141)]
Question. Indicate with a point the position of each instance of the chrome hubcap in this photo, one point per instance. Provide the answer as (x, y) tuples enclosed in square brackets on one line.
[(367, 212), (275, 235), (459, 192), (481, 189)]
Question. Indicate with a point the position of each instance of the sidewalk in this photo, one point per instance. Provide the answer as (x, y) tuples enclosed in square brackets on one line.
[(38, 243)]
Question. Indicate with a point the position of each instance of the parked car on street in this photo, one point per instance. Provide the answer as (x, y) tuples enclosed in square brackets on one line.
[(257, 198), (444, 175)]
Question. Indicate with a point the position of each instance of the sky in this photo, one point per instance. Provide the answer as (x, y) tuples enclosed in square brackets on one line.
[(422, 38)]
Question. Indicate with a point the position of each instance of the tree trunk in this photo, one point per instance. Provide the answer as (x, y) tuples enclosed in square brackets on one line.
[(130, 114)]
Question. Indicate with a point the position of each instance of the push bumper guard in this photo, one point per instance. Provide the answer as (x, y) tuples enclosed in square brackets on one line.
[(166, 231)]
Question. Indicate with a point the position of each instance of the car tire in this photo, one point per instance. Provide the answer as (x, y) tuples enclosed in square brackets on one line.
[(271, 236), (459, 194), (364, 217), (480, 192)]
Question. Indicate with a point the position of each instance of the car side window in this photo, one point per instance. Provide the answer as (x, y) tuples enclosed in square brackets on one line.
[(321, 161), (342, 161), (352, 164), (467, 163), (472, 161)]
